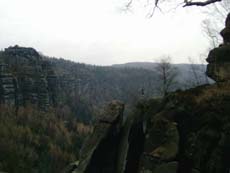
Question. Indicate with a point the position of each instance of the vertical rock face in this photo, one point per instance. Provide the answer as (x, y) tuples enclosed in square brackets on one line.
[(7, 86), (52, 82), (161, 146), (116, 147), (219, 58), (100, 152), (41, 86), (25, 78)]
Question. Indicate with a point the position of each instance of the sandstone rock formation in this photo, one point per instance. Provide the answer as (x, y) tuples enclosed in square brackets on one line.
[(186, 132), (26, 78), (22, 52), (219, 58), (100, 151), (7, 86)]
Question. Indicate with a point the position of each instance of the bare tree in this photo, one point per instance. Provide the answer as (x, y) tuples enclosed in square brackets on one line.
[(198, 73), (194, 72), (169, 5), (166, 74), (211, 33), (199, 3), (216, 15)]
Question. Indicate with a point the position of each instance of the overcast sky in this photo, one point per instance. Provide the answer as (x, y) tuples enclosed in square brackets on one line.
[(99, 32)]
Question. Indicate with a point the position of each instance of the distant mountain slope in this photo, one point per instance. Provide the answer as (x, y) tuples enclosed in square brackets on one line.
[(101, 84), (192, 73)]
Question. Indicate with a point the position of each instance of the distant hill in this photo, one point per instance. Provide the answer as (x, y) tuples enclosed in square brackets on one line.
[(186, 72)]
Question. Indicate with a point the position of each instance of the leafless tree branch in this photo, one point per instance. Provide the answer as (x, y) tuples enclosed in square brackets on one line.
[(129, 4), (166, 74), (199, 3), (186, 3)]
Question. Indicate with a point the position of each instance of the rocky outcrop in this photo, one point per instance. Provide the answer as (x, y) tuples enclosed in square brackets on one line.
[(219, 58), (22, 52), (186, 132), (27, 78), (8, 86), (98, 155), (225, 33), (219, 64)]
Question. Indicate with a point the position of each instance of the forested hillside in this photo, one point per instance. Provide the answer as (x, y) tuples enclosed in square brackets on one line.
[(48, 105)]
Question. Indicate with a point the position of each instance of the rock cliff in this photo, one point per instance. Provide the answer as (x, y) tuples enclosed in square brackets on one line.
[(26, 78), (185, 132), (8, 86), (97, 154)]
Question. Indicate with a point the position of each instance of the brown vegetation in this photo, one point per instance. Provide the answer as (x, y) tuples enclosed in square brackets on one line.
[(36, 141)]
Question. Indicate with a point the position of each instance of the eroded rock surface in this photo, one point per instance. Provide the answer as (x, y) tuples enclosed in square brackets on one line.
[(188, 131), (225, 33), (219, 58), (26, 78), (8, 86), (100, 151)]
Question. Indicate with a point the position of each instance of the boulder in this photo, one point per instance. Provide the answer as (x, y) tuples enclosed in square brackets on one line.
[(219, 64), (219, 58), (225, 33)]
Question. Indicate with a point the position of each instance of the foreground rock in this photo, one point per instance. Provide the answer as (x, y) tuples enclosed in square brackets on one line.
[(186, 132), (100, 152)]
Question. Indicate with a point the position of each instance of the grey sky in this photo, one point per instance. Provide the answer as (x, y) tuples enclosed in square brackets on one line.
[(98, 32)]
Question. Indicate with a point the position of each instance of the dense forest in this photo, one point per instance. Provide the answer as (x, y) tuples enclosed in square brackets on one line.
[(37, 141)]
